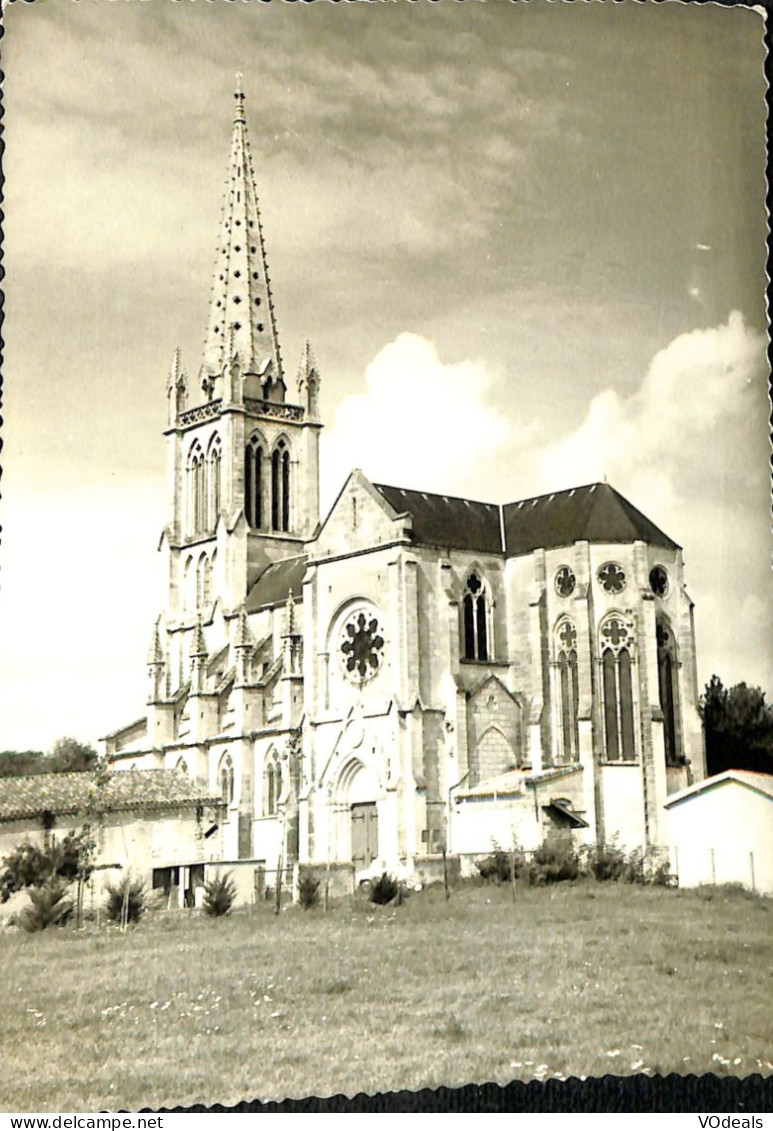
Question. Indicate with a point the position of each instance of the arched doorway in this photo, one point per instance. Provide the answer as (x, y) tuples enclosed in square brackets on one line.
[(358, 789)]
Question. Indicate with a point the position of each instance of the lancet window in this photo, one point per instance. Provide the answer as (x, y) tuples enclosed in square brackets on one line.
[(254, 460), (616, 647), (203, 581), (667, 689), (214, 482), (280, 487), (476, 608), (196, 490), (226, 776), (272, 782), (567, 691)]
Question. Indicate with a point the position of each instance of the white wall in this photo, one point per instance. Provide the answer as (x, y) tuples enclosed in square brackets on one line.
[(718, 835)]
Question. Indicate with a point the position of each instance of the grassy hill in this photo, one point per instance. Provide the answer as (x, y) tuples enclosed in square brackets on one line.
[(572, 980)]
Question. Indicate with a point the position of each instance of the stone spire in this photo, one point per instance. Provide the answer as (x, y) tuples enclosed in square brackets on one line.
[(241, 320)]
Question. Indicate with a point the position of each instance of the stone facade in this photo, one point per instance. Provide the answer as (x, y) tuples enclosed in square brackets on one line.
[(417, 672)]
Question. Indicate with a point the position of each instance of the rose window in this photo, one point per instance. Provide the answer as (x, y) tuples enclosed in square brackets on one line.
[(612, 578), (362, 646), (659, 581), (565, 582)]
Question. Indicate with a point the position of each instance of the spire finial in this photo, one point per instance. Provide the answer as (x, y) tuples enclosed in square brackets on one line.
[(239, 96)]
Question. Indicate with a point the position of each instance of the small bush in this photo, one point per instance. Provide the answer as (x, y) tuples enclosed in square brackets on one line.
[(125, 901), (498, 866), (219, 895), (48, 907), (308, 890), (384, 889), (635, 871), (606, 862), (554, 861)]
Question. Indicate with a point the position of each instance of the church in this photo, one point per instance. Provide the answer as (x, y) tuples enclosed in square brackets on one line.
[(412, 674)]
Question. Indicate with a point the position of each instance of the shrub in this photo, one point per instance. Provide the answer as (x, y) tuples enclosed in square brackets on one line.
[(606, 862), (28, 865), (308, 890), (48, 907), (219, 895), (384, 889), (498, 866), (554, 861), (125, 901), (635, 871), (495, 867)]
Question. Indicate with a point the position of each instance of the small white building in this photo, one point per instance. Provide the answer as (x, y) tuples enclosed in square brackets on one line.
[(721, 831)]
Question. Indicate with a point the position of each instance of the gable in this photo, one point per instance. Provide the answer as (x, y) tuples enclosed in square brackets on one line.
[(360, 519)]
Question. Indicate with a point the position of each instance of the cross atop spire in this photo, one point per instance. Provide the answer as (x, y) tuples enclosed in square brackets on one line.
[(241, 319)]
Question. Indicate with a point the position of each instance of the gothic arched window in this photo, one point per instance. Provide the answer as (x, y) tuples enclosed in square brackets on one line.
[(616, 645), (196, 490), (187, 585), (271, 785), (280, 487), (253, 484), (667, 689), (214, 482), (226, 776), (476, 607), (567, 692), (203, 581)]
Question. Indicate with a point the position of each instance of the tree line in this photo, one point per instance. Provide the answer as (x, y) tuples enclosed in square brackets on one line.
[(67, 755)]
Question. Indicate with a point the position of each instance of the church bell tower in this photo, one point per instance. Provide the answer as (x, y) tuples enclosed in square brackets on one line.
[(243, 459)]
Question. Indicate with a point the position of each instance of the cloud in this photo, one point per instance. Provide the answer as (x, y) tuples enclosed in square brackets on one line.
[(422, 423), (702, 382), (690, 449)]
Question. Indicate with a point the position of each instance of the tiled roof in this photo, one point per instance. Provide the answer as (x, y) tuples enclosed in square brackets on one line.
[(276, 581), (596, 513), (75, 793), (443, 520), (762, 783)]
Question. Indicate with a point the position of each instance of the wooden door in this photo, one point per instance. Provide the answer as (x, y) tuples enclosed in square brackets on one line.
[(364, 834)]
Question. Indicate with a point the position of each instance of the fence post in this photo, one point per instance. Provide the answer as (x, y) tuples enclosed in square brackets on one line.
[(278, 886)]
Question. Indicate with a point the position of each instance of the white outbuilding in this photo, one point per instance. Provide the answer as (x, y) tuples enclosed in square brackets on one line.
[(721, 831)]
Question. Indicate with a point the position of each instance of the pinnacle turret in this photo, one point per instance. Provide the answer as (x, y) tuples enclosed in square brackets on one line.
[(155, 653), (241, 320), (308, 382), (198, 643)]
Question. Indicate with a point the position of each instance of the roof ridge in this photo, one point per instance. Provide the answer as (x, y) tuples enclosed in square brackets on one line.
[(435, 494)]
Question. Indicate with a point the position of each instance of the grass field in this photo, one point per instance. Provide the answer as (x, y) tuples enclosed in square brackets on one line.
[(574, 980)]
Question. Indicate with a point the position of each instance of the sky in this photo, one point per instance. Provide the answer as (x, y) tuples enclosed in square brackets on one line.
[(526, 242)]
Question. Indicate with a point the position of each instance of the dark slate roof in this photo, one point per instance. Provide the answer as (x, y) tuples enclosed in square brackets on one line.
[(77, 792), (443, 520), (275, 583), (596, 513)]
